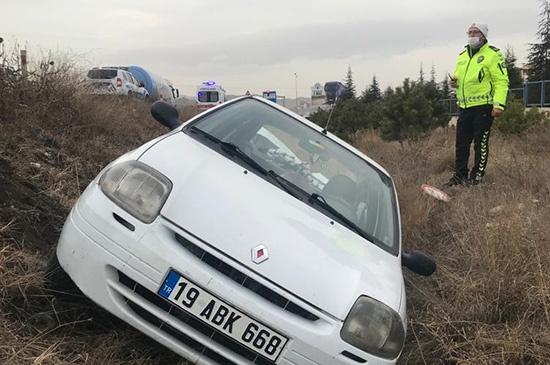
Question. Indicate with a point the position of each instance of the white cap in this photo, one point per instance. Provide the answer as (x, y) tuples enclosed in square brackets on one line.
[(482, 28)]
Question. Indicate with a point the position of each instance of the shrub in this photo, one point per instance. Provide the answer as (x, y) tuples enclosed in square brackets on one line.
[(516, 119), (411, 112)]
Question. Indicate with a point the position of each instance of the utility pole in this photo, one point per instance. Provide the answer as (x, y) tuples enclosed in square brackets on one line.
[(296, 86), (24, 63)]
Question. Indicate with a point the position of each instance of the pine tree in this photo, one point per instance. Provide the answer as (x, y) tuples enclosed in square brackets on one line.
[(388, 92), (349, 84), (431, 88), (348, 118), (445, 89), (372, 93), (421, 75), (514, 73), (432, 75), (411, 111), (539, 53)]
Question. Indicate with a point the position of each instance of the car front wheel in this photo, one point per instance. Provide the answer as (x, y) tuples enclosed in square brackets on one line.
[(56, 279)]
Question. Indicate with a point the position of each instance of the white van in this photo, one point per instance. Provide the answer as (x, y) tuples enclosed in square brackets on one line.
[(209, 94)]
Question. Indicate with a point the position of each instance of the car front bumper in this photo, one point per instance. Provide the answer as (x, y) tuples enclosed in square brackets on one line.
[(121, 270)]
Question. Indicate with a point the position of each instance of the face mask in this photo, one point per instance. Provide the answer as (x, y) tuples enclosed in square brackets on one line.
[(474, 42)]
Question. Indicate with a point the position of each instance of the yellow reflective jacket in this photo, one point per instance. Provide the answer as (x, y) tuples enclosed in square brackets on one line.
[(481, 77)]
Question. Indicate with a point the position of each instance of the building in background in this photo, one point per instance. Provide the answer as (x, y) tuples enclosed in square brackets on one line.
[(526, 71), (317, 95)]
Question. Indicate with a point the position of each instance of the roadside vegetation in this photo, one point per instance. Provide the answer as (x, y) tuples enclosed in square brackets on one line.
[(488, 303), (53, 140)]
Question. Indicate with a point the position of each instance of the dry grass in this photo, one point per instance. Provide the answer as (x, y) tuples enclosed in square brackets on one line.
[(53, 140), (488, 303)]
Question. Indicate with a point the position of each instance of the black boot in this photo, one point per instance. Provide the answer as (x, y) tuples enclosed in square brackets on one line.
[(475, 179), (456, 180)]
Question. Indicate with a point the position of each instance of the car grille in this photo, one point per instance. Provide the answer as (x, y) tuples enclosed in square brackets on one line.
[(245, 280), (191, 321)]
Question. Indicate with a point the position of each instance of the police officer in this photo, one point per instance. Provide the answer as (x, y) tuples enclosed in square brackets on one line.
[(481, 82)]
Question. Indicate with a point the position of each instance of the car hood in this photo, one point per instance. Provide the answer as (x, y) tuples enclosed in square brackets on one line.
[(234, 211)]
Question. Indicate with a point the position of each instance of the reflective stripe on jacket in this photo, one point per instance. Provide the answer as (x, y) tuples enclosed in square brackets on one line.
[(482, 78)]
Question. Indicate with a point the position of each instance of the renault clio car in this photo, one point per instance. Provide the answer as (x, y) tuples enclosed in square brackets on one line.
[(247, 235)]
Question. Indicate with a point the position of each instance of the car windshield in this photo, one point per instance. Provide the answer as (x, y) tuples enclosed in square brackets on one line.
[(208, 96), (320, 167), (102, 74)]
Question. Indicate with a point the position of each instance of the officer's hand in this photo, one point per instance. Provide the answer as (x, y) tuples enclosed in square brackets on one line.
[(496, 112), (452, 81)]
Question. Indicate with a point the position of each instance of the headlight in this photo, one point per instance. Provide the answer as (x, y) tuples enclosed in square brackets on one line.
[(374, 328), (137, 188)]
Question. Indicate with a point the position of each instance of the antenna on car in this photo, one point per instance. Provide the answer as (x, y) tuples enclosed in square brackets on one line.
[(325, 130)]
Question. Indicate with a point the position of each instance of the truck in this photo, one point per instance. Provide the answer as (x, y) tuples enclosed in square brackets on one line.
[(158, 87), (334, 91)]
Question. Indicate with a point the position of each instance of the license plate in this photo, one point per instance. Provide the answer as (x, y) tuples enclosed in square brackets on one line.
[(222, 316)]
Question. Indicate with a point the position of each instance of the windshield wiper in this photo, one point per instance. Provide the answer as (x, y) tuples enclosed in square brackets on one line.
[(205, 134), (319, 200), (234, 151), (287, 186)]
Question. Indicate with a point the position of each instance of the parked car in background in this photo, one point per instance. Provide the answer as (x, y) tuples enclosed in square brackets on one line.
[(247, 235), (106, 80)]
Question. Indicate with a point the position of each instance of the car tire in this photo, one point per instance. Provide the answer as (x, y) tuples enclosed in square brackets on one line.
[(56, 279)]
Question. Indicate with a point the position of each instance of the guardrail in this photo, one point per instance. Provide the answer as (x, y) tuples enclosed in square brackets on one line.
[(532, 94)]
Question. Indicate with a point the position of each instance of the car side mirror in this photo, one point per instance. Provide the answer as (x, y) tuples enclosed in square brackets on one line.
[(165, 114), (418, 262)]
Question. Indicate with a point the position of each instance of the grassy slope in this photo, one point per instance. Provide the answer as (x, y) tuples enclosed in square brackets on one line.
[(489, 302), (53, 141)]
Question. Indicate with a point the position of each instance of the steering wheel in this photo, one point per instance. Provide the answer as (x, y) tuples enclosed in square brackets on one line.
[(342, 206)]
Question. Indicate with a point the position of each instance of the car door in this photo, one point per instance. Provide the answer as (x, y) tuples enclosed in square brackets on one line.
[(140, 90), (128, 84)]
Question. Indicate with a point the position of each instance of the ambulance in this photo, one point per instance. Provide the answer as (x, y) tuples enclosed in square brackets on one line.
[(209, 94)]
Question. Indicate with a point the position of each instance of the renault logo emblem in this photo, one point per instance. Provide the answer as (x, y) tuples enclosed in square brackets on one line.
[(259, 254)]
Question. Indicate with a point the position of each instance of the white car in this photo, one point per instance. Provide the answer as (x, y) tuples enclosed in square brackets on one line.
[(106, 80), (247, 235)]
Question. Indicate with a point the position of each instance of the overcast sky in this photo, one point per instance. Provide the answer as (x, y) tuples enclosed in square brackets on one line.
[(258, 45)]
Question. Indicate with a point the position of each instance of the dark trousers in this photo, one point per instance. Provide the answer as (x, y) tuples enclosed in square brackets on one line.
[(474, 124)]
